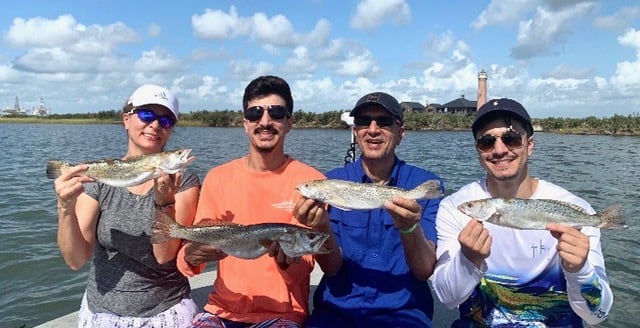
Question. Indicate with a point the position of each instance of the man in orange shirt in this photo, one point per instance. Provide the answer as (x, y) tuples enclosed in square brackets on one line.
[(270, 291)]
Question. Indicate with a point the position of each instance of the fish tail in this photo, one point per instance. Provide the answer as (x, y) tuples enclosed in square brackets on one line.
[(428, 190), (611, 218), (55, 168), (162, 227)]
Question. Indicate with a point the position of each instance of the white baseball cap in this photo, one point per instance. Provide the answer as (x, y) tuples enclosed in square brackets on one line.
[(152, 94)]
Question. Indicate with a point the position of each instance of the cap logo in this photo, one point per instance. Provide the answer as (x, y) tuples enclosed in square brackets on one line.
[(162, 95), (495, 103), (374, 97)]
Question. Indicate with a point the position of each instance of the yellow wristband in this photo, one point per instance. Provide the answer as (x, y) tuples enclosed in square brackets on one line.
[(409, 230)]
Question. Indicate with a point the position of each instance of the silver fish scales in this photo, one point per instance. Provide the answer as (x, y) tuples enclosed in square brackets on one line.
[(535, 214), (128, 172), (242, 241), (349, 195)]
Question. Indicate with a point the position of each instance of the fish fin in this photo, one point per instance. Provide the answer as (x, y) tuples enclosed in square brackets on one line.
[(572, 205), (148, 168), (215, 222), (429, 189), (55, 168), (265, 243), (162, 227), (611, 218)]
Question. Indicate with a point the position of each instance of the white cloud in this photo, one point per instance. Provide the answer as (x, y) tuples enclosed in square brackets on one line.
[(547, 29), (619, 20), (372, 13), (154, 30), (269, 33), (627, 76), (218, 25), (358, 62), (501, 12), (42, 32)]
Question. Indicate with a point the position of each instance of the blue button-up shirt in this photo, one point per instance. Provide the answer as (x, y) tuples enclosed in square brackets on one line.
[(374, 285)]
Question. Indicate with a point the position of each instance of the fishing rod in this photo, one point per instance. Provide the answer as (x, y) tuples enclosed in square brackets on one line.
[(351, 152)]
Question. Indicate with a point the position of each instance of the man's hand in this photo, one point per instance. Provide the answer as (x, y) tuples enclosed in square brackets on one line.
[(312, 213), (475, 242), (573, 246), (405, 212)]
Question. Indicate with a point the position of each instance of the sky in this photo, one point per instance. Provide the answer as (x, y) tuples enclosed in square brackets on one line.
[(559, 58)]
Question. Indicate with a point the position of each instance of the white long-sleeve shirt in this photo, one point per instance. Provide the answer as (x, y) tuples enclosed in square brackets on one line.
[(522, 281)]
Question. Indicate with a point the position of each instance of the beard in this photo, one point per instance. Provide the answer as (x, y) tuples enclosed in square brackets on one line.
[(265, 149)]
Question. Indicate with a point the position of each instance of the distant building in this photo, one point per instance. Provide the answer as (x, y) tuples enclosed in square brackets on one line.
[(434, 108), (409, 106), (460, 106), (482, 89), (15, 110), (41, 110), (457, 106)]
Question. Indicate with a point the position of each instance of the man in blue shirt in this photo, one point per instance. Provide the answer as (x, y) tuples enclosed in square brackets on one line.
[(387, 254)]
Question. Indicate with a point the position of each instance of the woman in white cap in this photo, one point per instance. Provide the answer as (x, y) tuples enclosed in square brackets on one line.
[(132, 282)]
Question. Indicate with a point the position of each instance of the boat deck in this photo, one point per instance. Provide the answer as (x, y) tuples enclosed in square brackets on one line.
[(201, 286)]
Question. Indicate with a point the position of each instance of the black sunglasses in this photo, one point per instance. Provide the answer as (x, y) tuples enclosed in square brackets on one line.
[(381, 121), (276, 112), (512, 139), (148, 116)]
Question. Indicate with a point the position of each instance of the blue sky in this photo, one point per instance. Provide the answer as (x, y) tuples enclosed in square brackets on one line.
[(559, 58)]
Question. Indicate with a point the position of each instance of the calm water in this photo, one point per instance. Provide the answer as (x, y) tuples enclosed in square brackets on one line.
[(36, 285)]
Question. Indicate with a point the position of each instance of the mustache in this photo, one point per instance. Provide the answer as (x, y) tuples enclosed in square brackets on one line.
[(261, 129)]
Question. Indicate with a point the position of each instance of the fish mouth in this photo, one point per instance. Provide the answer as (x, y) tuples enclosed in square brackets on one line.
[(317, 240), (184, 156)]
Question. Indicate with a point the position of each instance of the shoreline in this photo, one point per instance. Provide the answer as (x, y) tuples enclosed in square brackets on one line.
[(581, 130)]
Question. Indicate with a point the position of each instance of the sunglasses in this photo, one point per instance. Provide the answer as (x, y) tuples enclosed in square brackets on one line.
[(511, 139), (148, 116), (381, 121), (276, 112)]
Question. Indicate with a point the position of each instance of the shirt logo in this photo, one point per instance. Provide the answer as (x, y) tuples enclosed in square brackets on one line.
[(286, 205)]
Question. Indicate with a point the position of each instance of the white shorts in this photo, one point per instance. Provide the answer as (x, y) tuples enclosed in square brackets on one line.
[(177, 316)]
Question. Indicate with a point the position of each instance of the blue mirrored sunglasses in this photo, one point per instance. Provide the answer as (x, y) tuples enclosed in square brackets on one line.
[(276, 112), (148, 116)]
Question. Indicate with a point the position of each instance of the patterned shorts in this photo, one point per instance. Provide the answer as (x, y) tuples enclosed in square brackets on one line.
[(177, 316), (208, 320)]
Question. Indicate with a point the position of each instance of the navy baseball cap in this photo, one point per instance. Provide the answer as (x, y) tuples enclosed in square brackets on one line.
[(385, 100), (503, 107)]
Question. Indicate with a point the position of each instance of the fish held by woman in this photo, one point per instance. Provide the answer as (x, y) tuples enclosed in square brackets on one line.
[(242, 241), (535, 214), (348, 195), (128, 172)]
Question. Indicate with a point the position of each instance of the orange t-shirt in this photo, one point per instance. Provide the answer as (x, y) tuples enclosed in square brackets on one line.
[(255, 290)]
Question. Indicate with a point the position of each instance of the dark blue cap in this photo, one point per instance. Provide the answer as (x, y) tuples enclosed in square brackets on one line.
[(385, 100), (503, 107)]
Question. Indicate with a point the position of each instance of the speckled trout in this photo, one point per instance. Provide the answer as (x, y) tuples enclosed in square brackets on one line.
[(348, 195), (242, 241), (535, 214), (128, 172)]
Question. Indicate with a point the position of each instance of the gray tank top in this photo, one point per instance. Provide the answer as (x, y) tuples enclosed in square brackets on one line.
[(124, 278)]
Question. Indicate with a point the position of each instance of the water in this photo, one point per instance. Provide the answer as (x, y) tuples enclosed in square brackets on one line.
[(37, 286)]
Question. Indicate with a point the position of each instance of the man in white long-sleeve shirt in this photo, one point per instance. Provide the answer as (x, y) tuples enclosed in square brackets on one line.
[(500, 276)]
